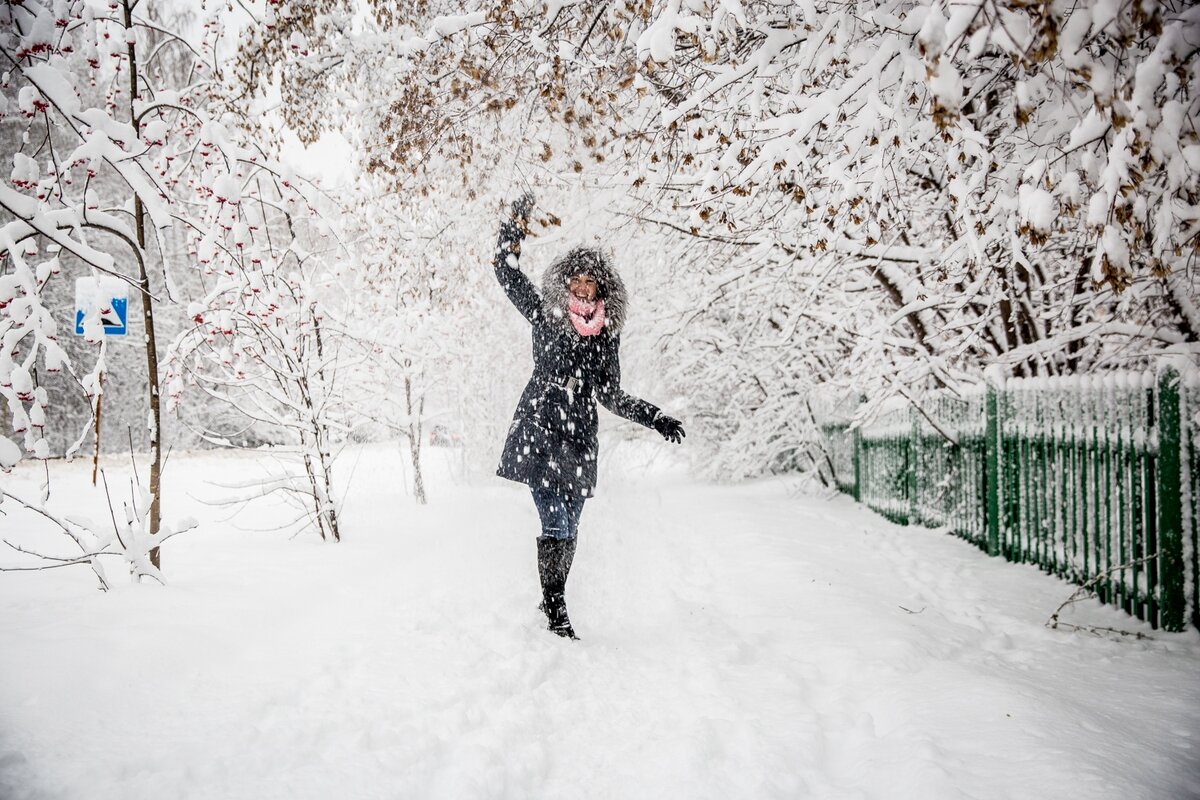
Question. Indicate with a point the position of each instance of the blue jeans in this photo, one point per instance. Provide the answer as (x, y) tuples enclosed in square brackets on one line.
[(559, 514)]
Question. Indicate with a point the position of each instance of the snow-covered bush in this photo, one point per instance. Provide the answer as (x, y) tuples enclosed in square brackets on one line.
[(129, 539), (263, 351)]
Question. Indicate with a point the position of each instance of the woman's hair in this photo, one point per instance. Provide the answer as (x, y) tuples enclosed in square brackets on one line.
[(589, 261), (585, 261)]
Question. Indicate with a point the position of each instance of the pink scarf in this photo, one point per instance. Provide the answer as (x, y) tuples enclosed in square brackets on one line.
[(586, 316)]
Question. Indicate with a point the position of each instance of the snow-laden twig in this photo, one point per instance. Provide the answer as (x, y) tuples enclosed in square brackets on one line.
[(133, 547), (1087, 590)]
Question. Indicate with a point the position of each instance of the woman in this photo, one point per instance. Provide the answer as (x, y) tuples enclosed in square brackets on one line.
[(551, 444)]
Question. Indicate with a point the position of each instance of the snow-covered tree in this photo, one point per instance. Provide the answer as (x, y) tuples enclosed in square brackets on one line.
[(871, 195), (933, 187), (130, 145)]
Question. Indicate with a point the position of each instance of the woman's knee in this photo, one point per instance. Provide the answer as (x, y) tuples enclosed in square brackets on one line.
[(555, 515)]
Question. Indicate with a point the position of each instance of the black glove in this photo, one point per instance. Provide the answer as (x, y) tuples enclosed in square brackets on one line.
[(670, 428), (522, 207), (513, 229)]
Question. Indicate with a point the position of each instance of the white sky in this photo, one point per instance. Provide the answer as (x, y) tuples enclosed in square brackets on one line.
[(330, 160)]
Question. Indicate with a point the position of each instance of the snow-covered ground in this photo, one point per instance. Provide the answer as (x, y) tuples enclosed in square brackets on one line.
[(737, 642)]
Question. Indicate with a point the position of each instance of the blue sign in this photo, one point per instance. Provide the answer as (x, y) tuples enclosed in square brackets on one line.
[(105, 298)]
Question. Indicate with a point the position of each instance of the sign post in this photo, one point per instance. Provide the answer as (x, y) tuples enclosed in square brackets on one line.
[(101, 309)]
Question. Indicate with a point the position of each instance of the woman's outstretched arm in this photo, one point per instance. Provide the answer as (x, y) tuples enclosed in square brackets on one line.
[(516, 285), (618, 401)]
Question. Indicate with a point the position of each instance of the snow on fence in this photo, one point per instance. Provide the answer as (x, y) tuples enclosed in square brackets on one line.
[(1090, 478)]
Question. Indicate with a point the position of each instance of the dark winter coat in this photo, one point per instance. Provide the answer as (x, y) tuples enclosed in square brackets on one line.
[(552, 439)]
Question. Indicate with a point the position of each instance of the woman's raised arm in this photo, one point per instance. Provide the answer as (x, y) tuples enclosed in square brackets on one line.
[(516, 285)]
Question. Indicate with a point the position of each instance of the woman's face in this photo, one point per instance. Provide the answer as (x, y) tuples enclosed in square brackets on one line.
[(583, 286)]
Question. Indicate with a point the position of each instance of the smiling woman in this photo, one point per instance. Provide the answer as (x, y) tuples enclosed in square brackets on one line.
[(583, 286), (551, 443)]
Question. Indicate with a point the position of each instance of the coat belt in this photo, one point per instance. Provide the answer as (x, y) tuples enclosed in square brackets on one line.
[(571, 384)]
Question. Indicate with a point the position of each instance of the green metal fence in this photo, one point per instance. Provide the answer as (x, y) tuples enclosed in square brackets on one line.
[(1090, 478)]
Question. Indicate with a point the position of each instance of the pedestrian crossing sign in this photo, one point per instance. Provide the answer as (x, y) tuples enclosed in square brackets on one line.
[(101, 306)]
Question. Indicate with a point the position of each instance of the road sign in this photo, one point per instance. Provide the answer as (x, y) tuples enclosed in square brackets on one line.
[(101, 304)]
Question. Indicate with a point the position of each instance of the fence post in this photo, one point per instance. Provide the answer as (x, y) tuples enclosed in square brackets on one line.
[(914, 466), (858, 483), (994, 376), (857, 458), (1170, 502)]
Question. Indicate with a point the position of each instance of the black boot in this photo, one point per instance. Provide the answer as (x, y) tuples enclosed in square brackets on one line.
[(568, 559), (554, 562)]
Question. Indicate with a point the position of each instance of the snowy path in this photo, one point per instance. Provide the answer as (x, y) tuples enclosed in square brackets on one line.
[(738, 642)]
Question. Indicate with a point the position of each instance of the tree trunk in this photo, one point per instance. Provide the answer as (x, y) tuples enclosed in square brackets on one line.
[(139, 213), (326, 509), (414, 440), (311, 473)]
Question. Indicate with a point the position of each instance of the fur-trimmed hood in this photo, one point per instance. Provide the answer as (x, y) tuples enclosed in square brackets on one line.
[(595, 263)]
